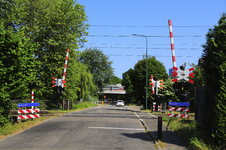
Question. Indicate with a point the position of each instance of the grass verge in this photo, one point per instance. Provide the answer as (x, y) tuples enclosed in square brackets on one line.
[(12, 128), (192, 132)]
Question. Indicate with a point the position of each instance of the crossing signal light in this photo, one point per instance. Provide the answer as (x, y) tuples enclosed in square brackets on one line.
[(66, 105), (54, 82), (180, 88), (160, 84)]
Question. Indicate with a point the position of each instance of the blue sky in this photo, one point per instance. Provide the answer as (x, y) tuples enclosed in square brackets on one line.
[(190, 19)]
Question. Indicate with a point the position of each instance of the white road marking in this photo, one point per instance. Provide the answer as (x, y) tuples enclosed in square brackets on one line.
[(116, 128)]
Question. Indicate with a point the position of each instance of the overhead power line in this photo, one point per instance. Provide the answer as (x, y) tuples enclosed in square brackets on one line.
[(112, 47), (149, 55), (146, 36), (149, 26), (140, 44)]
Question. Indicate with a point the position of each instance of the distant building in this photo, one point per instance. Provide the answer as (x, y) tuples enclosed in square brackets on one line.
[(113, 89)]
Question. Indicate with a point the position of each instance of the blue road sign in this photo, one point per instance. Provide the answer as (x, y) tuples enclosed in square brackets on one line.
[(28, 104), (170, 72), (179, 103)]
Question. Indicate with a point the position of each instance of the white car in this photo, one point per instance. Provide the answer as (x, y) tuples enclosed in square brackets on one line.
[(120, 103)]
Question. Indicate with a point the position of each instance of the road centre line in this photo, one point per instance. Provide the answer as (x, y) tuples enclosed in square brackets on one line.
[(116, 128)]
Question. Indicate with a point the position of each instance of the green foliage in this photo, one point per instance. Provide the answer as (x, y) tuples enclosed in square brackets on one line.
[(128, 77), (17, 67), (134, 80), (98, 65), (56, 25), (168, 93), (198, 82), (115, 80), (5, 5), (214, 66), (83, 105)]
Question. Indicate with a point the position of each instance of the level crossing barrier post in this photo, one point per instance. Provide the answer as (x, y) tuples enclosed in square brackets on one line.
[(159, 127)]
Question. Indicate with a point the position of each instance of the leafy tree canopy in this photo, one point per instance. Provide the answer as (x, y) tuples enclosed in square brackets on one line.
[(137, 77), (99, 66), (115, 80), (214, 68), (17, 68)]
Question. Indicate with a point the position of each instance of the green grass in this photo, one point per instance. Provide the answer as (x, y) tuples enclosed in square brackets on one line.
[(161, 144), (79, 106), (192, 132), (131, 104), (12, 128)]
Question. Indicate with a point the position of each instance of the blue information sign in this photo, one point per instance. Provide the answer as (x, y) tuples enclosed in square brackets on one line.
[(170, 72), (28, 104), (179, 103)]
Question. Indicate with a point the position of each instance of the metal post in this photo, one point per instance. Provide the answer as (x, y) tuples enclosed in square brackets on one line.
[(146, 65), (68, 105), (159, 127), (88, 91), (146, 69), (156, 87), (63, 104)]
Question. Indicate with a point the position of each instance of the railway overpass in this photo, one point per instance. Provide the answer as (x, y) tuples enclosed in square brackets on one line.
[(116, 89)]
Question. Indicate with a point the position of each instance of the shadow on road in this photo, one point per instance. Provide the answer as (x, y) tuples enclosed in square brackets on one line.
[(142, 136)]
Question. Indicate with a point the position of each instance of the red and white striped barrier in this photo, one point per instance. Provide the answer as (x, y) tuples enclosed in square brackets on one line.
[(28, 111), (172, 43), (65, 66), (32, 110), (28, 116), (179, 109), (152, 85), (180, 115)]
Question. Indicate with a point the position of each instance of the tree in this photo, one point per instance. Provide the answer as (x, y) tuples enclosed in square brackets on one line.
[(168, 93), (56, 25), (98, 65), (17, 68), (5, 4), (137, 77), (115, 80), (214, 68), (127, 78)]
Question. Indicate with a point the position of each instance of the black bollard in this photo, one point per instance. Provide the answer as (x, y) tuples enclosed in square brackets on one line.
[(159, 127)]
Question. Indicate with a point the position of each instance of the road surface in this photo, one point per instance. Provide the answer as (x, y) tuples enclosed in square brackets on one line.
[(96, 128)]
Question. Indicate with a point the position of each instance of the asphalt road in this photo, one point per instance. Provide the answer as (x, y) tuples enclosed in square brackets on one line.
[(96, 128)]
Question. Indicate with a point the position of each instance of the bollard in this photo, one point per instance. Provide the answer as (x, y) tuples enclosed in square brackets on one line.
[(159, 127), (102, 102)]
